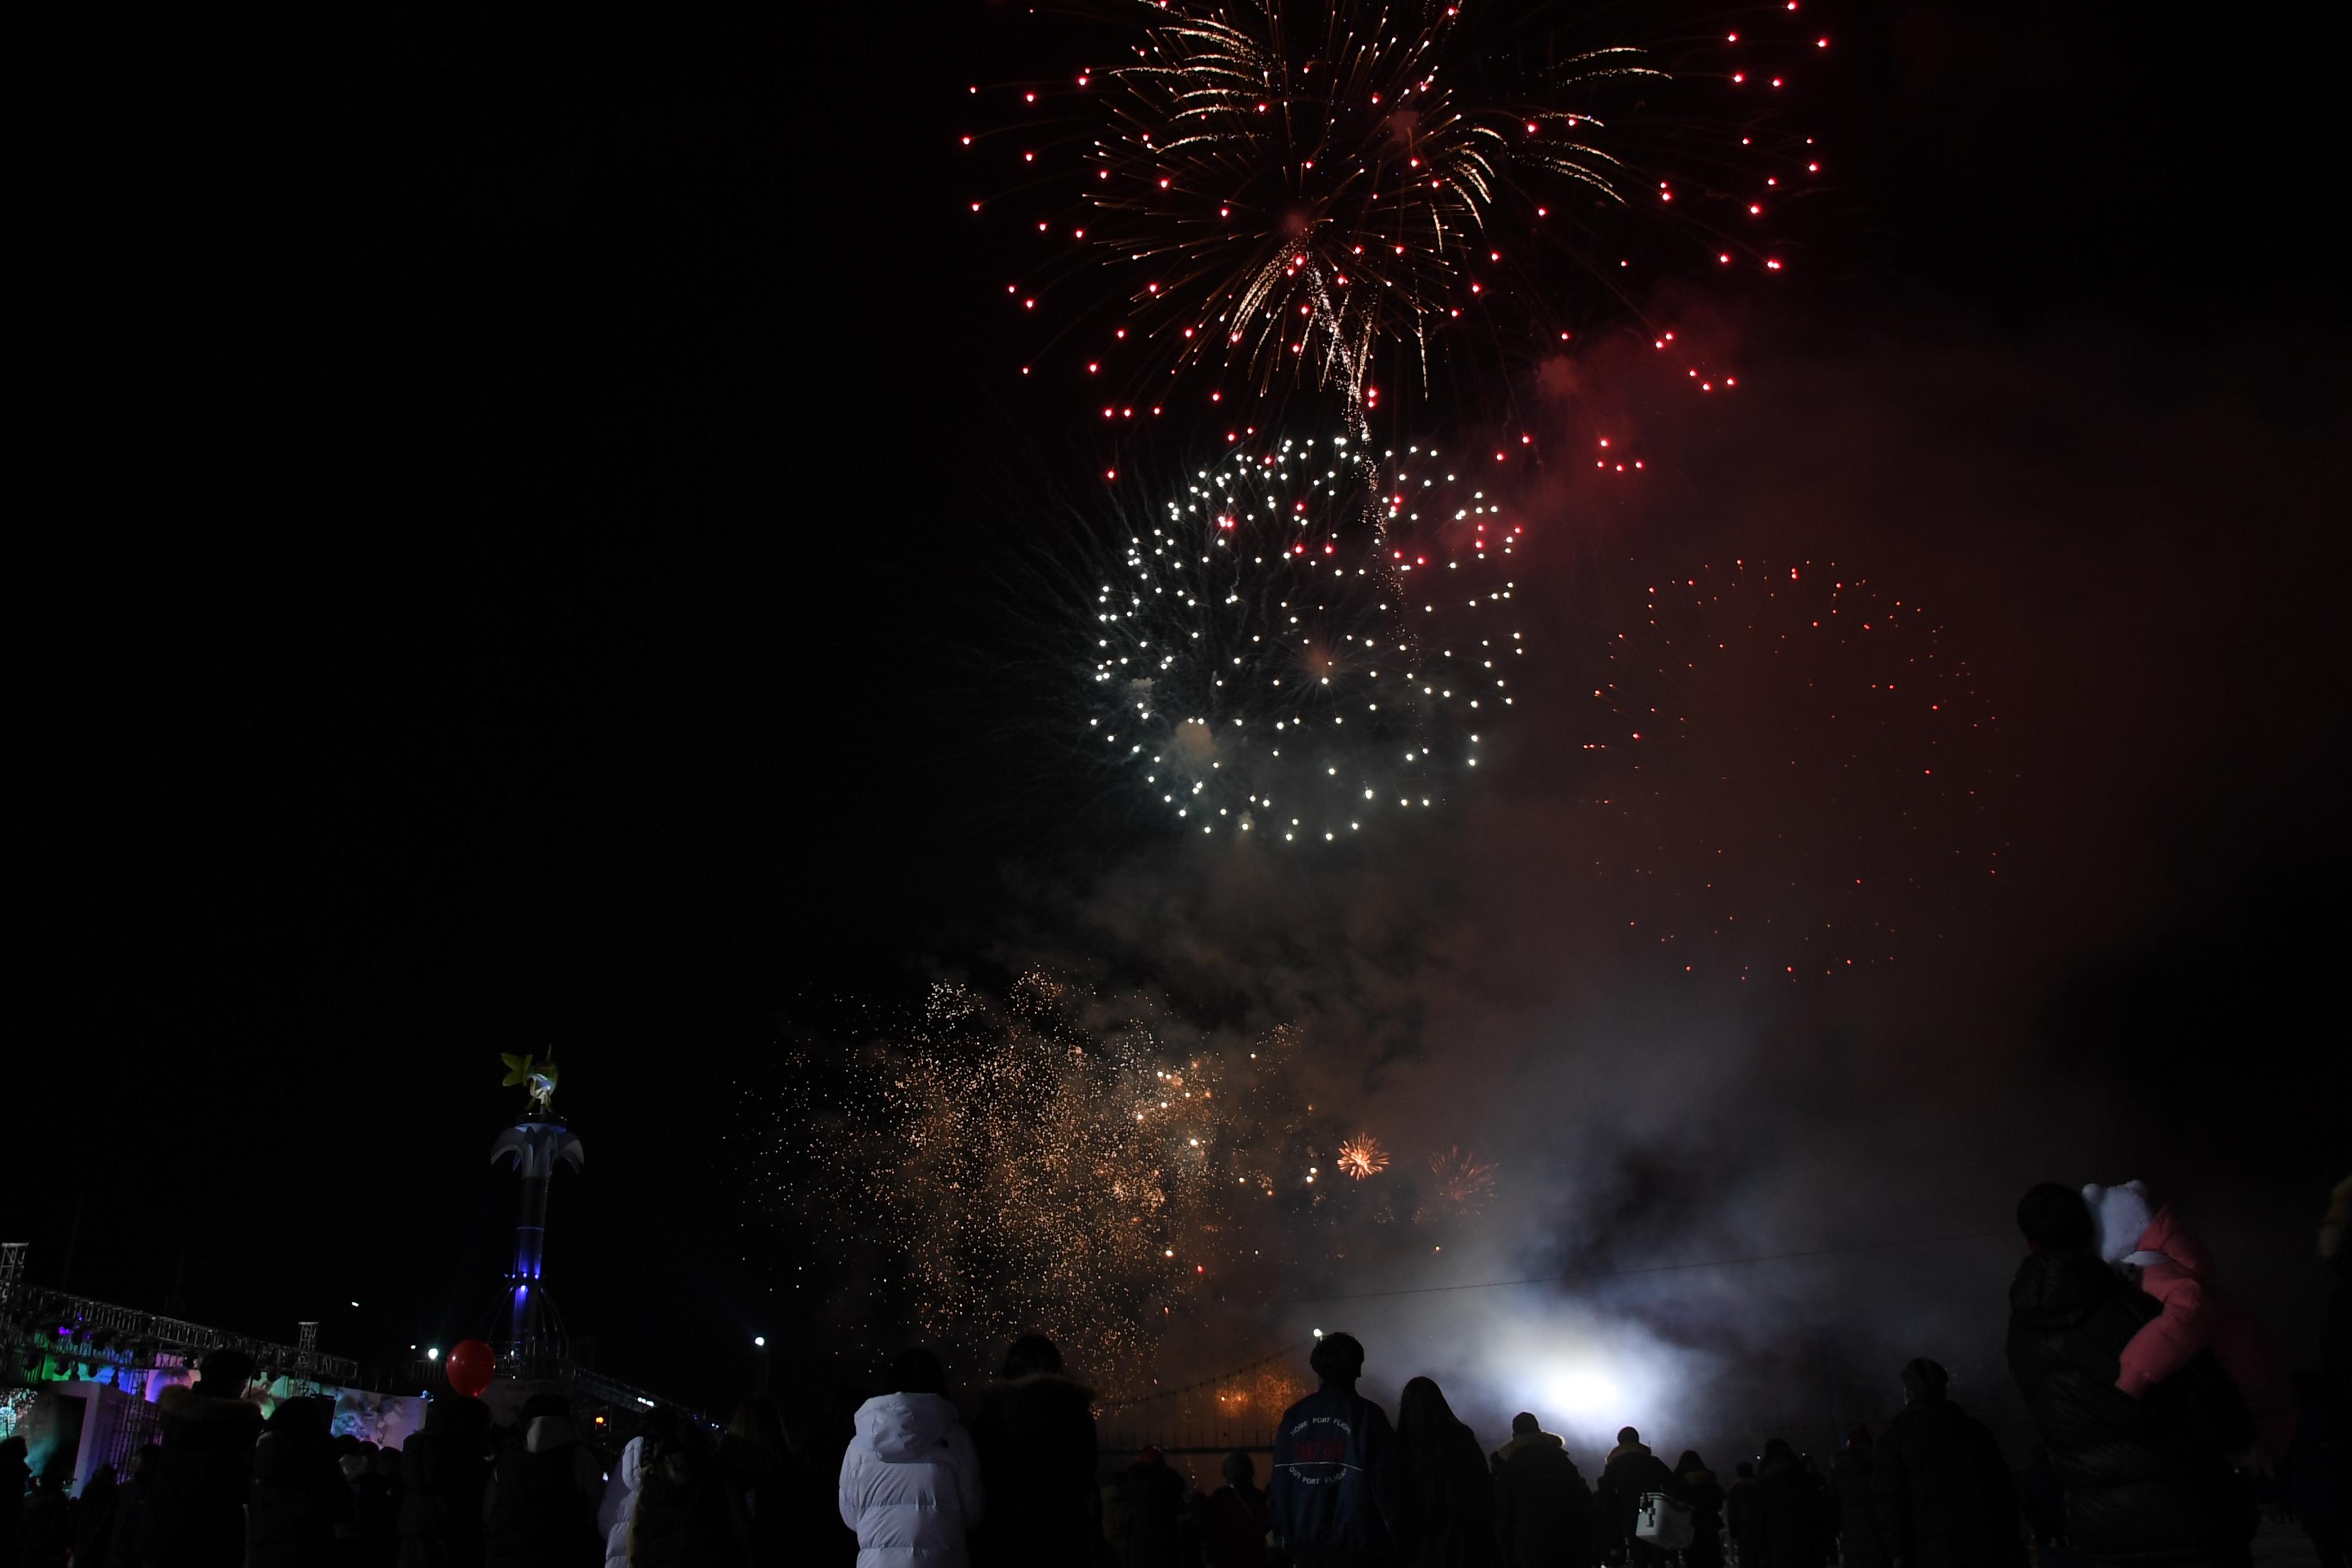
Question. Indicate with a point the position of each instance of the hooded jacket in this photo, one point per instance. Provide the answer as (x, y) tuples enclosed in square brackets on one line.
[(2147, 1480), (1035, 1440), (196, 1510), (620, 1503), (910, 1482), (443, 1475), (2169, 1262), (1543, 1509), (1333, 1490)]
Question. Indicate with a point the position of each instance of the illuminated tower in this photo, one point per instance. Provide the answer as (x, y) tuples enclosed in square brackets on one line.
[(531, 1331)]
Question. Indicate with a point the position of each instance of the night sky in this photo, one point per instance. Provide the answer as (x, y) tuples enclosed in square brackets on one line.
[(516, 553)]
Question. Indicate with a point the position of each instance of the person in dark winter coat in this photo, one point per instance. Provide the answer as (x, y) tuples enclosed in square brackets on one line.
[(1857, 1524), (1233, 1521), (1794, 1516), (1697, 1489), (1743, 1513), (375, 1509), (757, 1455), (1333, 1497), (681, 1518), (13, 1474), (1446, 1491), (46, 1537), (1149, 1513), (1035, 1438), (298, 1504), (1629, 1474), (131, 1510), (197, 1509), (443, 1473), (93, 1519), (1942, 1496), (1543, 1509), (539, 1507), (2147, 1480)]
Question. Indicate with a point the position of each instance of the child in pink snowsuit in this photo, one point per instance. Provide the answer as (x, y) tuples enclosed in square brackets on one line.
[(2157, 1252)]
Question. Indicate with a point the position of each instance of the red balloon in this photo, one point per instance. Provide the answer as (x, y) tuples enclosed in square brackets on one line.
[(471, 1365)]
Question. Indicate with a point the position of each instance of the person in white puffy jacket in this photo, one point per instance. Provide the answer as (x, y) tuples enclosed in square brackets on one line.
[(910, 1480), (620, 1504)]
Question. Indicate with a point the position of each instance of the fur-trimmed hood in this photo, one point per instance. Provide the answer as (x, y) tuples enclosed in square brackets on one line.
[(183, 1403), (1532, 1441)]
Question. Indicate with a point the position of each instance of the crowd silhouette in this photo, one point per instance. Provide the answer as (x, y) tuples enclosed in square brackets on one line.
[(2158, 1414)]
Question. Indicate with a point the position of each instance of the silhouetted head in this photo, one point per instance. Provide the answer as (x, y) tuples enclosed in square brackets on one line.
[(1744, 1470), (226, 1372), (2055, 1218), (1778, 1448), (917, 1371), (12, 1449), (1627, 1435), (1030, 1355), (1337, 1358), (1525, 1424), (1689, 1461), (310, 1418), (1421, 1411), (457, 1414), (1239, 1470), (1923, 1382), (1150, 1455)]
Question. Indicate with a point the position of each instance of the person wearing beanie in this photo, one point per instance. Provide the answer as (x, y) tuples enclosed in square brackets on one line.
[(1332, 1499), (2150, 1246), (1629, 1474), (1543, 1509)]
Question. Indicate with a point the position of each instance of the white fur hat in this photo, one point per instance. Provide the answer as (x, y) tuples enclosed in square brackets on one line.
[(2124, 1215)]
